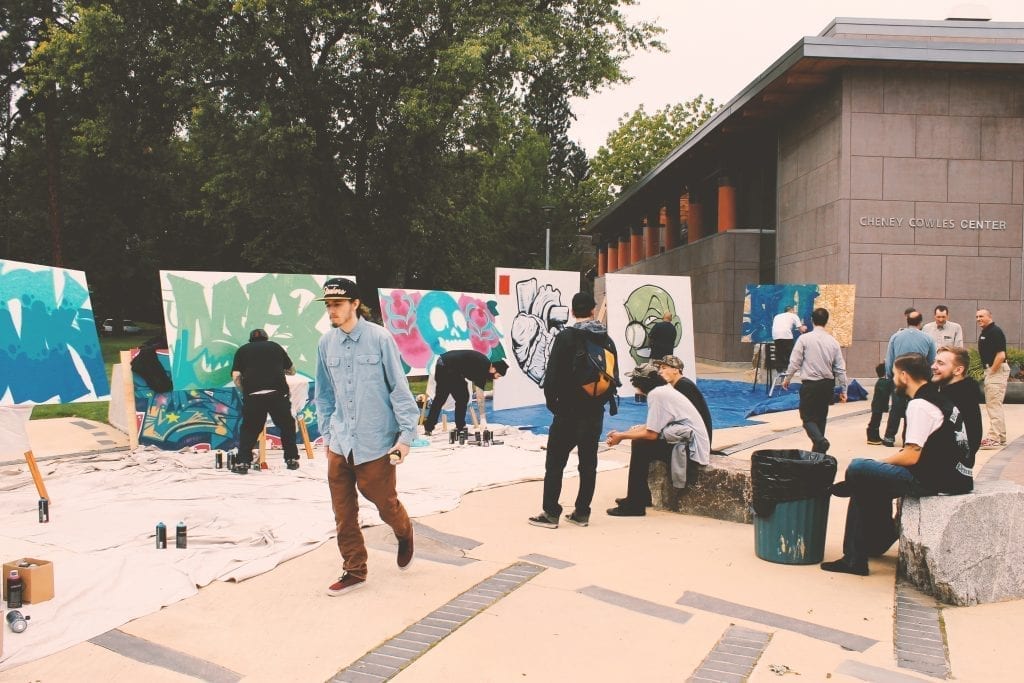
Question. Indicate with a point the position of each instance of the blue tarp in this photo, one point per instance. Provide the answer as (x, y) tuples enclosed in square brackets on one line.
[(731, 404)]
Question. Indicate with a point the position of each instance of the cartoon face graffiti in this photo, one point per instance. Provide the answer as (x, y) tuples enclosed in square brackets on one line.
[(645, 306), (442, 323)]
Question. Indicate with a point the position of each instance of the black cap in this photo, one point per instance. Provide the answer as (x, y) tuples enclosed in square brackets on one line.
[(338, 288), (501, 367), (582, 304), (258, 335)]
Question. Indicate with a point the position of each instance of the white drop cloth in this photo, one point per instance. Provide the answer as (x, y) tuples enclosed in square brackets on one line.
[(105, 507)]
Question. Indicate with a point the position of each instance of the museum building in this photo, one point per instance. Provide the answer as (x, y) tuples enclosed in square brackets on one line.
[(887, 154)]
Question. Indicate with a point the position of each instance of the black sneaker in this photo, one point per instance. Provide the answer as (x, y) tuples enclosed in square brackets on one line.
[(292, 464), (845, 566), (887, 442), (545, 520), (241, 468), (578, 520), (622, 511)]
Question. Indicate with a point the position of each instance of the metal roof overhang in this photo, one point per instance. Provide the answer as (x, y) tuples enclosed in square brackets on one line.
[(805, 67)]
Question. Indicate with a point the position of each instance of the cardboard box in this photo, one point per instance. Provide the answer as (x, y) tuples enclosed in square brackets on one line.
[(37, 581)]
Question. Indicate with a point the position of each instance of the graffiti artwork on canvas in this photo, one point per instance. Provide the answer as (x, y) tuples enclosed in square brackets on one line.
[(427, 323), (50, 349)]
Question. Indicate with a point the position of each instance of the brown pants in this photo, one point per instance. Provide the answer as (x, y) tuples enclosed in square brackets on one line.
[(376, 481)]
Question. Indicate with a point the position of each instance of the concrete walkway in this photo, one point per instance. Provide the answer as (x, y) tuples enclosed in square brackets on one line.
[(490, 598)]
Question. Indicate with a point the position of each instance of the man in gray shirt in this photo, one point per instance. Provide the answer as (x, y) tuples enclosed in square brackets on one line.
[(908, 340), (817, 356), (944, 332)]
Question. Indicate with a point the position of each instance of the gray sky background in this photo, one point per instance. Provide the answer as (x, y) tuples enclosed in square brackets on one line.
[(717, 47)]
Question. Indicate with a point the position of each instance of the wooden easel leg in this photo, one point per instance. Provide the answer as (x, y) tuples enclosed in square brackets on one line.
[(422, 398), (263, 448), (305, 439), (36, 476), (128, 389), (472, 416)]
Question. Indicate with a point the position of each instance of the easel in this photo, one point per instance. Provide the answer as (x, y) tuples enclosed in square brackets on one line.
[(305, 443)]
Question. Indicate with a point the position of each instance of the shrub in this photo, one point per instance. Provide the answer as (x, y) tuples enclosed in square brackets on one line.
[(1015, 357)]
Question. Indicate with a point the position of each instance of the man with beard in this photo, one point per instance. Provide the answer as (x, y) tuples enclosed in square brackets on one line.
[(949, 373), (936, 458)]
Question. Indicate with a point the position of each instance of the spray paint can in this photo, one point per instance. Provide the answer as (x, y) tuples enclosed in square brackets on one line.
[(181, 536), (231, 458), (161, 536), (14, 589), (476, 435), (452, 436), (487, 437), (44, 510), (462, 438), (218, 459), (17, 621)]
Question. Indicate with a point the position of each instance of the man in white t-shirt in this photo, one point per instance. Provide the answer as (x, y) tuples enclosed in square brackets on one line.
[(936, 458), (784, 326), (673, 433)]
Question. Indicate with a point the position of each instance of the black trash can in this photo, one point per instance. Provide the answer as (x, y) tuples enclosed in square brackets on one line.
[(790, 499)]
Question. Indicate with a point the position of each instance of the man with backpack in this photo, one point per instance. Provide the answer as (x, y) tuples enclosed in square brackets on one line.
[(582, 375)]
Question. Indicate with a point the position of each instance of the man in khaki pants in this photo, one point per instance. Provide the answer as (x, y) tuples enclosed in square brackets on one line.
[(992, 349)]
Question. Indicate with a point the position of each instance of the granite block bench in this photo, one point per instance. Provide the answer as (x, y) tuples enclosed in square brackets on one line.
[(720, 490), (968, 549)]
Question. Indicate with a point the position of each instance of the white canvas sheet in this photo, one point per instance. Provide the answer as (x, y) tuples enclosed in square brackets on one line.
[(535, 305), (13, 432), (635, 303), (104, 510)]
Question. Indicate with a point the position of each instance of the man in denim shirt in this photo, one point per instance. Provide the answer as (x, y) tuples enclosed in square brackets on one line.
[(367, 417)]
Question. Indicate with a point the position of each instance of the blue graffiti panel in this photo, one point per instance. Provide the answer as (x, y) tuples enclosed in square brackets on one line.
[(49, 348), (764, 302)]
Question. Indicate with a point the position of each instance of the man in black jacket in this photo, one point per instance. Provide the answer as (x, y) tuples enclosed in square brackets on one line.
[(949, 373), (258, 372), (451, 372), (578, 418)]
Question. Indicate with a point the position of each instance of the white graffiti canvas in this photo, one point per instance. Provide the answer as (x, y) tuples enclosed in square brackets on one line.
[(635, 303), (535, 305)]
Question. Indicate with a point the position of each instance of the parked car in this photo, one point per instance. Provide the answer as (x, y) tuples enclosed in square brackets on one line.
[(129, 326)]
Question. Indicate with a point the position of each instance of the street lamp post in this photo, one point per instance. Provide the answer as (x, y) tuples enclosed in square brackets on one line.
[(547, 235)]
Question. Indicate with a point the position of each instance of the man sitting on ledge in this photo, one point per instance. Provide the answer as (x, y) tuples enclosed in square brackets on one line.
[(669, 413), (936, 458)]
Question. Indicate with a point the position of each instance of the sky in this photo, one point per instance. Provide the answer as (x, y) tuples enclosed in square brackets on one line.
[(717, 47)]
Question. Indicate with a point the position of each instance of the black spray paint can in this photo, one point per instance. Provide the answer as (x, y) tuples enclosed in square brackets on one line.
[(181, 536), (161, 536), (231, 458), (218, 462), (44, 510)]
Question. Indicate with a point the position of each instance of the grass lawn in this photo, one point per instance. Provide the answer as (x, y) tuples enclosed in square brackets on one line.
[(112, 347)]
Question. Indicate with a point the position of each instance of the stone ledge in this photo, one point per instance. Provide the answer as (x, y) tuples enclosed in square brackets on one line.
[(721, 490), (966, 550)]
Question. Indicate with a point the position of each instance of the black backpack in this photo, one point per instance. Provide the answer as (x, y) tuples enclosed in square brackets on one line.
[(593, 368)]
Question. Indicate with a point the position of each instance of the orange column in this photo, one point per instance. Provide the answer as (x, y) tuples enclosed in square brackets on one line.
[(726, 204), (695, 225), (670, 219), (651, 240), (636, 243), (613, 256), (602, 261), (625, 251)]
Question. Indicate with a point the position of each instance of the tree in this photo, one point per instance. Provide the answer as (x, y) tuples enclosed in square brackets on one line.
[(637, 145)]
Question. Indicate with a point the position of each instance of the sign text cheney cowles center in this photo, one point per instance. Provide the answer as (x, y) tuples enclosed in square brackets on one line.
[(937, 223)]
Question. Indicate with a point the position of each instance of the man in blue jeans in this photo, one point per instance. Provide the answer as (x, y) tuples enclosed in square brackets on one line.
[(936, 458)]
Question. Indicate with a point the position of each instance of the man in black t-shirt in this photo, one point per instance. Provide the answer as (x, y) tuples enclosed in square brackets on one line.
[(451, 372), (936, 458), (662, 337), (949, 374), (992, 349), (258, 372)]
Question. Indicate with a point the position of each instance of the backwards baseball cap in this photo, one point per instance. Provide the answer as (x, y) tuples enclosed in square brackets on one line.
[(669, 361), (338, 288), (645, 370)]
